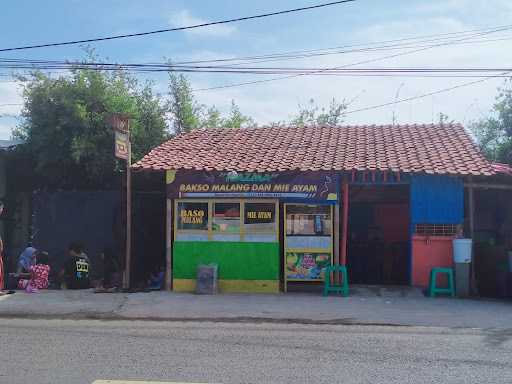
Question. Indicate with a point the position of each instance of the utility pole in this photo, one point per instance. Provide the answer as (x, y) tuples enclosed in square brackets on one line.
[(123, 150)]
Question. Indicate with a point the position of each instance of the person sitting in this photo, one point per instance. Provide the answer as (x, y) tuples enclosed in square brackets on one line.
[(26, 259), (110, 269), (75, 272), (156, 280), (38, 274)]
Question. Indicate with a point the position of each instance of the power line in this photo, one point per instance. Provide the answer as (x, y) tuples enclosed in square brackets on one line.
[(499, 29), (370, 47), (285, 55), (73, 42), (165, 67), (266, 58), (443, 90)]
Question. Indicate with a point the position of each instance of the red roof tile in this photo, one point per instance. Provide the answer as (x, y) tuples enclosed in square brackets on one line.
[(501, 168), (441, 149)]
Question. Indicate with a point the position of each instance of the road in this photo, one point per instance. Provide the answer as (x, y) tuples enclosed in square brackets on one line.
[(81, 351)]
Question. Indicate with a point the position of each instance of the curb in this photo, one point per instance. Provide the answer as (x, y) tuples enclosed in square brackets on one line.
[(240, 319)]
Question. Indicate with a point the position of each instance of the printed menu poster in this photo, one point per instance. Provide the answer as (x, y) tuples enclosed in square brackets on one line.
[(306, 265)]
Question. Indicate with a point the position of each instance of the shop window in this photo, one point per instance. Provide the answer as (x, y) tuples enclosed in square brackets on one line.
[(226, 222), (192, 221), (308, 226), (260, 222), (308, 242)]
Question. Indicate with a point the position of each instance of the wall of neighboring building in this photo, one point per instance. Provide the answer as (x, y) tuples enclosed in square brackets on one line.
[(89, 217), (437, 200), (493, 241)]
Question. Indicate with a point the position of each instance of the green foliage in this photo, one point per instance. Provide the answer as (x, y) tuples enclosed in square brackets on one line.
[(236, 119), (312, 114), (494, 134), (188, 114), (184, 109), (444, 118), (212, 118), (65, 125)]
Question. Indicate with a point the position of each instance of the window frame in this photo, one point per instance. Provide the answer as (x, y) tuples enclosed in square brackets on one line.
[(210, 231)]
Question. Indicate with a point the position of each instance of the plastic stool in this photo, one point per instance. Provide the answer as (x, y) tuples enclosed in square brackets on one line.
[(433, 289), (328, 287)]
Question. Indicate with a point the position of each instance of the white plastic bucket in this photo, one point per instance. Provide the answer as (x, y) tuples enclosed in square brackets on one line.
[(462, 250)]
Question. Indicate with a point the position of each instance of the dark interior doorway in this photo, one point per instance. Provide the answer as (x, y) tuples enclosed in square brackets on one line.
[(378, 235), (492, 242), (148, 223)]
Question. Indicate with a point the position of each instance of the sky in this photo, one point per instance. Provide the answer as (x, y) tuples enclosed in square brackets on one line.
[(25, 22)]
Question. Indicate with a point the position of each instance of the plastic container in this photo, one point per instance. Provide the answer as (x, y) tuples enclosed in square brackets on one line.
[(462, 250), (206, 283)]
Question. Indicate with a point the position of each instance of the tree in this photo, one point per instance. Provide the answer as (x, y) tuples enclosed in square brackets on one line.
[(312, 114), (212, 118), (65, 125), (444, 118), (236, 119), (186, 113), (184, 109), (494, 134)]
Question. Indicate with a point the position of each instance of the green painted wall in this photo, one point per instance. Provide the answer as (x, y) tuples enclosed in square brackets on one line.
[(236, 261)]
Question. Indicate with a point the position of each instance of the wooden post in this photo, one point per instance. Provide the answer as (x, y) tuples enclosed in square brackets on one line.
[(471, 208), (127, 278), (344, 239), (123, 150)]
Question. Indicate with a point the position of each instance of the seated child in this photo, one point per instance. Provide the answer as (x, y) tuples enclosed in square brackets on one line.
[(156, 280), (38, 274)]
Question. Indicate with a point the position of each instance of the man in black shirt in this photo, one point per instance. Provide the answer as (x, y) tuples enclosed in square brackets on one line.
[(76, 269)]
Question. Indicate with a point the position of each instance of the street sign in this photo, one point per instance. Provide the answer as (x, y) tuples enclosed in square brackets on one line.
[(121, 145), (120, 122)]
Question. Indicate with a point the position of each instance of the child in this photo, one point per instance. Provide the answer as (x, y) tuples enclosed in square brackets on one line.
[(38, 275), (156, 279)]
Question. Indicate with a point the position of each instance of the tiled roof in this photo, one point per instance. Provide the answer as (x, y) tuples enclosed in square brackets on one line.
[(503, 169), (430, 148)]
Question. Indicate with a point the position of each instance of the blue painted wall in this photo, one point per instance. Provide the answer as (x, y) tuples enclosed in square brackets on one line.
[(436, 200)]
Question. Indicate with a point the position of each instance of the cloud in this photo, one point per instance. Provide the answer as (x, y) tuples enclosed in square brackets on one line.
[(485, 10), (184, 18), (10, 98), (10, 104)]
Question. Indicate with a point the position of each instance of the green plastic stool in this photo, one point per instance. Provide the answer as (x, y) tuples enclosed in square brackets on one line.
[(343, 288), (433, 289)]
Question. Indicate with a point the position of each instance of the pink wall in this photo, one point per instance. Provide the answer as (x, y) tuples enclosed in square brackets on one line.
[(429, 252), (393, 219)]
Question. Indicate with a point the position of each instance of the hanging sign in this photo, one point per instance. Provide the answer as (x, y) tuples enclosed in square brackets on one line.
[(288, 185), (121, 145)]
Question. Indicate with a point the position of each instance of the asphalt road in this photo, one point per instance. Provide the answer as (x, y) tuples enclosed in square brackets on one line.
[(81, 351)]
